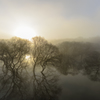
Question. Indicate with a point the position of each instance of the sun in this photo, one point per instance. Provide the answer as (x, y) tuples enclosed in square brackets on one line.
[(24, 32)]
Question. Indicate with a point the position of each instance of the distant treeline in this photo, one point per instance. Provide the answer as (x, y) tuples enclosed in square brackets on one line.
[(80, 56)]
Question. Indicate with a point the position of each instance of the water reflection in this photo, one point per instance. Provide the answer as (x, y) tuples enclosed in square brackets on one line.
[(92, 66), (78, 74), (77, 69), (88, 65), (15, 85), (43, 86), (12, 87)]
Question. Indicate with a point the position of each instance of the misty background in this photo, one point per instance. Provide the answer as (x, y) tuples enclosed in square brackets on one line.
[(54, 19)]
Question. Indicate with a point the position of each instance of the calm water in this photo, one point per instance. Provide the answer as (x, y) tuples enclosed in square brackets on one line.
[(79, 87), (51, 85)]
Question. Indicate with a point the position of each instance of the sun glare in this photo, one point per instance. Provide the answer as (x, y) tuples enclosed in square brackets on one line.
[(27, 57), (25, 32)]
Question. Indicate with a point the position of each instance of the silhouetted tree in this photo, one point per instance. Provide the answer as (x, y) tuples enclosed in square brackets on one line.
[(43, 53), (13, 58)]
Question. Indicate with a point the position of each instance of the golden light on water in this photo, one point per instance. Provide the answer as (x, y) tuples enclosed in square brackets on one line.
[(24, 32)]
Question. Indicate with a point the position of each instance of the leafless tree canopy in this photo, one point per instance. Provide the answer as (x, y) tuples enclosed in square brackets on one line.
[(14, 75), (44, 53)]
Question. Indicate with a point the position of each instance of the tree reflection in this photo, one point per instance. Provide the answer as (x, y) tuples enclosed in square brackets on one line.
[(20, 87), (80, 57), (45, 86), (92, 67), (12, 86)]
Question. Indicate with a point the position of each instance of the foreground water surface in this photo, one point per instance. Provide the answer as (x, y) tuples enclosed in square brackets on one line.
[(71, 84)]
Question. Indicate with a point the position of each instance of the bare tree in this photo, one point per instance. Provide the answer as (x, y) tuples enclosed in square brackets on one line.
[(43, 53), (12, 56)]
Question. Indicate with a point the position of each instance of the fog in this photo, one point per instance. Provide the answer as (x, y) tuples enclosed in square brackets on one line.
[(49, 50), (54, 19)]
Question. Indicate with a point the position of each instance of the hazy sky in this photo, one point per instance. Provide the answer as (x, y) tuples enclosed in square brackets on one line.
[(52, 19)]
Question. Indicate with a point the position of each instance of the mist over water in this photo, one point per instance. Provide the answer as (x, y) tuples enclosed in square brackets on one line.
[(39, 70), (49, 50)]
